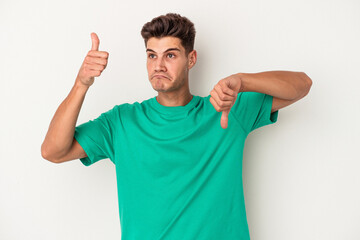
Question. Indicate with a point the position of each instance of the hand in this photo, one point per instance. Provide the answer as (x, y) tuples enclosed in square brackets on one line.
[(94, 63), (223, 96)]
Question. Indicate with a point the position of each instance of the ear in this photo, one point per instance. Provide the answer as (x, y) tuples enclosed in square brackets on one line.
[(192, 59)]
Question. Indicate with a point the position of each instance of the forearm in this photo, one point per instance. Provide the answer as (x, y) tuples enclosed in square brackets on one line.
[(59, 137), (285, 85)]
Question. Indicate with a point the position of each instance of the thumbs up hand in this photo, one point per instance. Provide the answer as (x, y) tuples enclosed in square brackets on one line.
[(94, 63), (223, 96)]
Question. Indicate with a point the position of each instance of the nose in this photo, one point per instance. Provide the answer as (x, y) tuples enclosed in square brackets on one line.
[(159, 64)]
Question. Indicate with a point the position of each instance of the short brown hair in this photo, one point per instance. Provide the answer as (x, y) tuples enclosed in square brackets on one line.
[(171, 24)]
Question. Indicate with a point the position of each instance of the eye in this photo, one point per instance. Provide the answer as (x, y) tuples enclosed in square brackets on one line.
[(151, 55), (171, 55)]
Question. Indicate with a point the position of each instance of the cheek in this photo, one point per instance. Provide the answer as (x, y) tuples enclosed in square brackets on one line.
[(179, 68), (148, 66)]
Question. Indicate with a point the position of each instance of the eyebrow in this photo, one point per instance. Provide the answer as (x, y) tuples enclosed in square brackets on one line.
[(167, 50)]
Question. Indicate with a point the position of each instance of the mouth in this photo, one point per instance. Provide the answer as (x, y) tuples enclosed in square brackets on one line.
[(159, 76)]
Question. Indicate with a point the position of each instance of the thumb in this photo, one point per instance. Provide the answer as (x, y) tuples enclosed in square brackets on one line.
[(224, 118), (95, 42)]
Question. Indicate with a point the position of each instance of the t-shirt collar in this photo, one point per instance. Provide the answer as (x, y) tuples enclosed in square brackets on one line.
[(174, 109)]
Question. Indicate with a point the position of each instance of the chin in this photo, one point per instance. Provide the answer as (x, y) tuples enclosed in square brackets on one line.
[(160, 86), (161, 89)]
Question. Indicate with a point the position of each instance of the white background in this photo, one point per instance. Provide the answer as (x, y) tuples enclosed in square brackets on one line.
[(301, 174)]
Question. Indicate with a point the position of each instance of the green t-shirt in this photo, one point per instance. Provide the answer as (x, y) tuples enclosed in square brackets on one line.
[(179, 174)]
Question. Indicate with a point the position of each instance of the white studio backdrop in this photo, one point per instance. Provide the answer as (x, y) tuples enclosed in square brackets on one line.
[(301, 174)]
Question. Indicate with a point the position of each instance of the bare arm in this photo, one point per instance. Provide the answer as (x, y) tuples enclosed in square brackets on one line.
[(286, 87), (60, 136), (59, 144)]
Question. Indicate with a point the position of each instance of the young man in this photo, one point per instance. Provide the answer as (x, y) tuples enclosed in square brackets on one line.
[(178, 156)]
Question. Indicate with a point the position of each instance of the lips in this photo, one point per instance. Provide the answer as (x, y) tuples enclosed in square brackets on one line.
[(160, 76)]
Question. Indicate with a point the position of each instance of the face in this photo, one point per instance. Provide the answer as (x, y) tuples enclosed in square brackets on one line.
[(166, 58)]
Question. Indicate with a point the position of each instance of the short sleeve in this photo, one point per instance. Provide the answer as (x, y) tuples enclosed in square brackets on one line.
[(96, 137), (253, 110)]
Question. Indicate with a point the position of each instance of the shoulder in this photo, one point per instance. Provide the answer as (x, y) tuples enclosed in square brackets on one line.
[(130, 107)]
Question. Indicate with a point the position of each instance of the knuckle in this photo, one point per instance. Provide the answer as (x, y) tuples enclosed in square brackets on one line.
[(216, 107), (213, 103)]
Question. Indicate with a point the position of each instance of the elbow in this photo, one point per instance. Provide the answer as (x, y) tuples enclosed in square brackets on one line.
[(307, 83), (45, 154)]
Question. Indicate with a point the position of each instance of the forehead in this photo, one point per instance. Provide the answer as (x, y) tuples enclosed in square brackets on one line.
[(160, 45)]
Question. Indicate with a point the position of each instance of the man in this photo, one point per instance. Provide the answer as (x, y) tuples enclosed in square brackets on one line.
[(178, 156)]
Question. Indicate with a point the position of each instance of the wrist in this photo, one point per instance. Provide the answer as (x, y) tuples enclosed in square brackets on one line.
[(80, 86), (243, 82)]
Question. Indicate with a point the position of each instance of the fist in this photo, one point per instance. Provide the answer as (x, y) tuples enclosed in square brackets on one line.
[(94, 63), (223, 96)]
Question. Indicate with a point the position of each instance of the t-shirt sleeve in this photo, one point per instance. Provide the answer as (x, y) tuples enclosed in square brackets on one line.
[(96, 137), (253, 110)]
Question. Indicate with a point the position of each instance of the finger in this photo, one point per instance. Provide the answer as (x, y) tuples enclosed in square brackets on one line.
[(95, 42), (96, 67), (224, 119), (101, 54), (216, 106), (222, 95), (95, 60), (226, 89), (220, 103), (228, 103)]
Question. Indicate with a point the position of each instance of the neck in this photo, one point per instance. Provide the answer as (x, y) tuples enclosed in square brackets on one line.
[(173, 99)]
